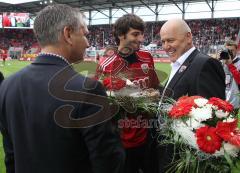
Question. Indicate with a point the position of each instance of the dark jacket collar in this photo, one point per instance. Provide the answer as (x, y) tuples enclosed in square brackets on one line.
[(182, 69), (49, 59)]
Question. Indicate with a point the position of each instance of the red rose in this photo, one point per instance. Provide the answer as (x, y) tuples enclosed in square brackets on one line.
[(183, 106), (207, 139), (221, 104), (229, 132), (189, 100), (180, 110), (114, 83), (106, 82)]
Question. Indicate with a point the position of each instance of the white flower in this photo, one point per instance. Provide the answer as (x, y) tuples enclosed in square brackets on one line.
[(126, 91), (229, 149), (110, 93), (232, 150), (193, 123), (229, 119), (214, 107), (221, 114), (202, 114), (200, 102), (185, 132), (128, 82)]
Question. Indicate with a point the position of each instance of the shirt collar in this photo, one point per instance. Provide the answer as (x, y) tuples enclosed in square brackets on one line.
[(55, 55), (236, 57), (182, 58)]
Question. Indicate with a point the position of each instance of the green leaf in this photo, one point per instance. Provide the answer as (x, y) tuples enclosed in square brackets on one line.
[(238, 117), (238, 164)]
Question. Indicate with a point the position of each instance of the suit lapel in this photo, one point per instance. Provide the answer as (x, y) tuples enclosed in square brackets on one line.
[(182, 69), (165, 83)]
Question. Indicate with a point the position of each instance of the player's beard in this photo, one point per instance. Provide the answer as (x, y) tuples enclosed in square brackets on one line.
[(134, 45), (137, 47)]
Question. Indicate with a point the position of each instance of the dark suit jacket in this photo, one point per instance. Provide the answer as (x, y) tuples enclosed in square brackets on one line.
[(35, 143), (199, 75)]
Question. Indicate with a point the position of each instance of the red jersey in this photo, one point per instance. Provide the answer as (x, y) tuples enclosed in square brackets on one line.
[(4, 55), (142, 73)]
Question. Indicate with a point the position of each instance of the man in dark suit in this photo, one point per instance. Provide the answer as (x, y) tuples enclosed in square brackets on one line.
[(193, 73), (52, 119)]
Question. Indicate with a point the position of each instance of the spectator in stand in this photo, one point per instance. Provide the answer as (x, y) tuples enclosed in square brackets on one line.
[(207, 33)]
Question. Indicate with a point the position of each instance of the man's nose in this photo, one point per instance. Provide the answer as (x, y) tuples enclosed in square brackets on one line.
[(87, 44), (166, 46)]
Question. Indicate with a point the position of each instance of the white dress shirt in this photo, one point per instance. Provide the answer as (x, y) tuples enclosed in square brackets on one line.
[(178, 63)]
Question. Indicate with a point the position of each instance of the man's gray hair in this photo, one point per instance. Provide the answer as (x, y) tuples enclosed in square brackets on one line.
[(50, 22)]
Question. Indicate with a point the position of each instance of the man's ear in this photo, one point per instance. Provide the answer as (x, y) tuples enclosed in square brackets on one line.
[(121, 37), (67, 34), (189, 36)]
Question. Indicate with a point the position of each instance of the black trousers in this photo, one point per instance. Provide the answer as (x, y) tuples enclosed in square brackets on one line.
[(165, 157), (144, 158)]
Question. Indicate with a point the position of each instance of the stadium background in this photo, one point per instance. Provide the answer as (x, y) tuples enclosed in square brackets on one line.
[(212, 22)]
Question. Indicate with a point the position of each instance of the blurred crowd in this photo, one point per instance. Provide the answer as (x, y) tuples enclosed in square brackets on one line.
[(207, 33)]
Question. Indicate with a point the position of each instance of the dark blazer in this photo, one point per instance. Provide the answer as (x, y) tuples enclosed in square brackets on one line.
[(34, 140), (199, 75)]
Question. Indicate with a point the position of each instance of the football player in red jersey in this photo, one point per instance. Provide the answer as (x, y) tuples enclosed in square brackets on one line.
[(4, 56), (137, 66)]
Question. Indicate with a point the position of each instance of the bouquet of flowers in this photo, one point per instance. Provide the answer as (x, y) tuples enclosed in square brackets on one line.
[(130, 97), (205, 133)]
